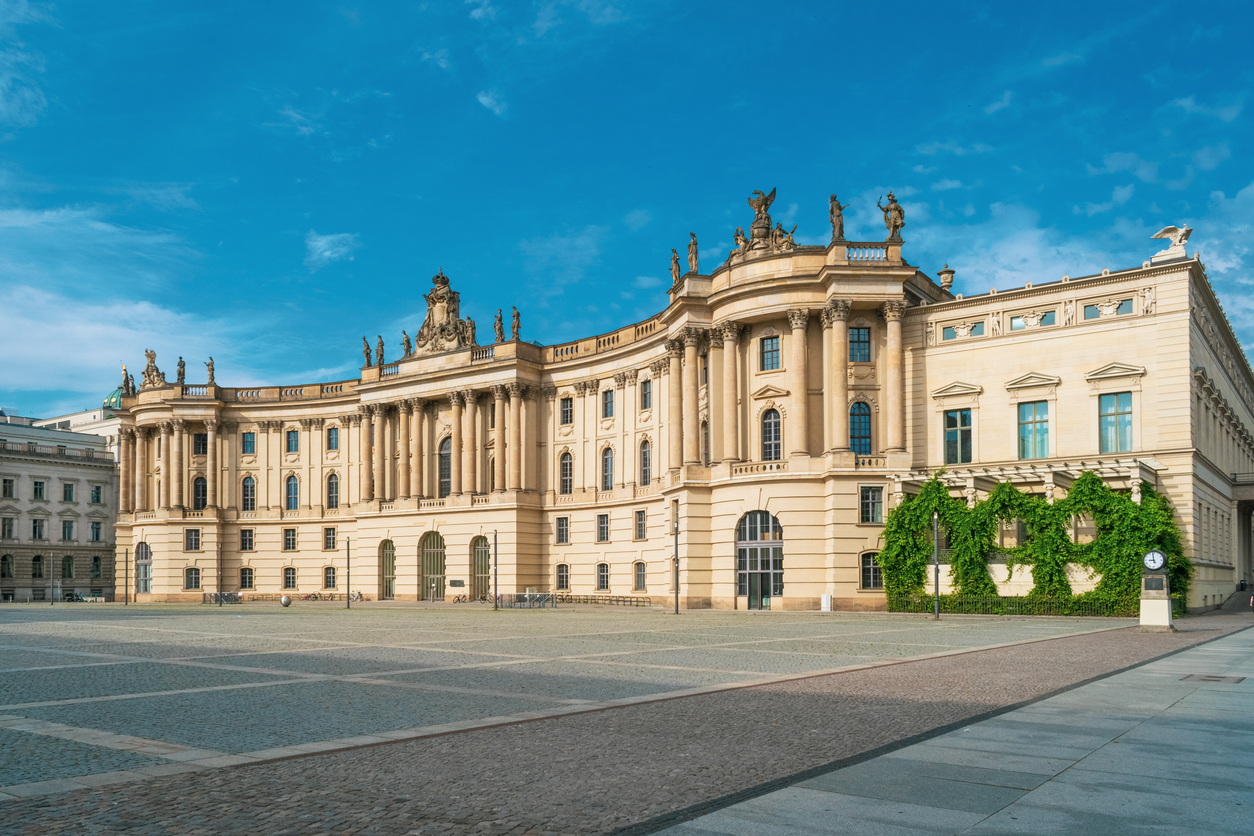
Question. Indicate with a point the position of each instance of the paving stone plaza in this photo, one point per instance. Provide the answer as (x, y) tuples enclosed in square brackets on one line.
[(161, 719)]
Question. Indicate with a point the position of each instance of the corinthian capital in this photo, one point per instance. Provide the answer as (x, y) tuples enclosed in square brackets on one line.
[(675, 348), (730, 330), (798, 318), (893, 310), (837, 309), (691, 336), (498, 392), (455, 398), (715, 337), (211, 425), (515, 390), (549, 391)]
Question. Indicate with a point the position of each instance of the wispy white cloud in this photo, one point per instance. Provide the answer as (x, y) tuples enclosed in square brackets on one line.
[(646, 282), (321, 250), (638, 219), (22, 100), (954, 148), (1144, 170), (597, 12), (922, 169), (1118, 197), (1224, 113), (556, 261), (303, 123), (163, 196), (439, 57), (946, 185), (1062, 59), (483, 10), (1004, 101), (491, 101), (1210, 158)]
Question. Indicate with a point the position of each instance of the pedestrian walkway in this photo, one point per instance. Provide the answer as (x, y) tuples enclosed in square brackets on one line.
[(1167, 747)]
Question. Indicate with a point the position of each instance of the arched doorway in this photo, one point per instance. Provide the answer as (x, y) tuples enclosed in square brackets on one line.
[(759, 559), (387, 570), (143, 569), (432, 567), (481, 568)]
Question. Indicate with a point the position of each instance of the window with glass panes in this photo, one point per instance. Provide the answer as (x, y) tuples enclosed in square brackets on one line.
[(771, 436), (37, 490), (67, 492), (957, 436), (192, 578), (289, 577), (6, 528), (642, 525), (563, 529), (245, 539), (607, 469), (96, 493), (770, 353), (293, 441), (293, 493), (646, 394), (37, 566), (859, 345), (328, 538), (759, 557), (200, 444), (603, 577), (37, 529), (860, 428), (638, 578), (566, 475), (8, 488), (871, 504), (67, 529), (607, 403), (563, 576), (250, 444), (445, 467), (1034, 430), (248, 494), (67, 568), (333, 491), (95, 532), (328, 577), (333, 438), (646, 465), (568, 410), (603, 528), (289, 539), (872, 576), (200, 493), (191, 540), (97, 567), (246, 578), (1116, 422)]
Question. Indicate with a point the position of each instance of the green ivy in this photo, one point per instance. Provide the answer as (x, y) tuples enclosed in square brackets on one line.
[(1125, 532)]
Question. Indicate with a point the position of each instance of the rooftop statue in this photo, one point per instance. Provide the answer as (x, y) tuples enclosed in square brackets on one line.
[(499, 327), (209, 368), (761, 228), (836, 213), (515, 325), (674, 266), (443, 329), (378, 352), (692, 253), (182, 371), (1177, 235), (365, 350), (406, 343), (153, 376), (894, 217)]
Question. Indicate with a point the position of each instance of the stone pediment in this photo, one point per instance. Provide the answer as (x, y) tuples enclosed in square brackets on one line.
[(769, 391), (1112, 371), (9, 509), (1025, 381), (958, 389)]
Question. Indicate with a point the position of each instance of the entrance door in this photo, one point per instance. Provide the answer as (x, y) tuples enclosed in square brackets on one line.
[(387, 570), (481, 570), (433, 567), (759, 559)]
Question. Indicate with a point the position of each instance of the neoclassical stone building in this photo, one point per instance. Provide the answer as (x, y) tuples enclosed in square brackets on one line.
[(775, 409)]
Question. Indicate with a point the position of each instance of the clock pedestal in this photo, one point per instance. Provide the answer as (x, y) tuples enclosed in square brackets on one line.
[(1156, 603)]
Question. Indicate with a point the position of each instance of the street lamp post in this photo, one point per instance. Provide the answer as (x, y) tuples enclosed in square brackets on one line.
[(496, 576), (675, 559), (126, 587), (935, 566), (348, 581)]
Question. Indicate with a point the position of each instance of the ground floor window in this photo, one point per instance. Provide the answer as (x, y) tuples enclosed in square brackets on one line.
[(759, 559), (603, 577), (192, 578), (872, 577), (289, 577), (328, 578), (246, 578), (563, 576), (638, 577)]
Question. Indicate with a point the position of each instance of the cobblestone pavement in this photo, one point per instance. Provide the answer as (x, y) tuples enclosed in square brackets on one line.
[(606, 747)]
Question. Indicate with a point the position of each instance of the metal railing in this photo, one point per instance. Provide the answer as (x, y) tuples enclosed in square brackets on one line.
[(222, 598), (609, 600), (526, 600)]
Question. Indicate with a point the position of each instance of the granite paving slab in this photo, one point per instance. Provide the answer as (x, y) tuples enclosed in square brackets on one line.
[(27, 758)]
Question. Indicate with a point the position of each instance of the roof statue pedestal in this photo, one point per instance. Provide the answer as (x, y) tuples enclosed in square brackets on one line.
[(444, 329), (1177, 235)]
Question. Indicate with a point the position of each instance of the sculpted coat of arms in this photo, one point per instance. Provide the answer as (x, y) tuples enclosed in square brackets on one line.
[(443, 329)]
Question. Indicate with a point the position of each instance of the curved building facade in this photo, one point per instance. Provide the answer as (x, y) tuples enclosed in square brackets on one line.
[(773, 411)]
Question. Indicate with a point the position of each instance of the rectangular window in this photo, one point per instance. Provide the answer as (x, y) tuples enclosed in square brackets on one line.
[(6, 528), (603, 577), (333, 438), (8, 489), (646, 394), (563, 576), (859, 345), (246, 578), (191, 540), (957, 436), (97, 568), (492, 417), (293, 441), (872, 576), (872, 505), (1034, 430), (563, 529), (38, 490), (193, 578), (289, 539), (245, 539), (95, 532), (200, 444), (37, 568), (1116, 422), (97, 494), (289, 577), (949, 334), (603, 528), (770, 353), (568, 411), (705, 369), (328, 539), (977, 330), (67, 530), (607, 403), (328, 578), (1122, 308), (642, 525), (37, 529), (1018, 323), (67, 492), (250, 444)]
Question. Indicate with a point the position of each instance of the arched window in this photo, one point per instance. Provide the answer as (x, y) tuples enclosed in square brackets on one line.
[(293, 493), (143, 568), (67, 567), (37, 566), (446, 467), (770, 436), (200, 493), (759, 559), (6, 566), (333, 491), (248, 496), (603, 577), (481, 561), (563, 576), (607, 469), (860, 428), (191, 578), (646, 465), (638, 577), (872, 575), (433, 566), (566, 475), (387, 570)]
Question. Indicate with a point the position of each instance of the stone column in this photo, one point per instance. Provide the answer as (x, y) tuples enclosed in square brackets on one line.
[(307, 453), (140, 476), (692, 438), (675, 406), (403, 469), (263, 480), (799, 382), (498, 436), (455, 446), (126, 495), (515, 436), (470, 456), (315, 455), (549, 423), (379, 419), (167, 467), (714, 392), (896, 395), (180, 429), (419, 435), (366, 491), (838, 372), (731, 391), (211, 463)]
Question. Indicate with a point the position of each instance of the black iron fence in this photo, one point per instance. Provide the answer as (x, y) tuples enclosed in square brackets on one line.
[(222, 598), (609, 600), (1014, 605), (526, 600)]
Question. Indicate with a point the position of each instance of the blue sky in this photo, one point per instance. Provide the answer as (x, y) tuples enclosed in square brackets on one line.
[(267, 182)]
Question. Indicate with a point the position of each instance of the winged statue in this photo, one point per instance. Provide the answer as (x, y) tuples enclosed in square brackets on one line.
[(762, 203), (1177, 235)]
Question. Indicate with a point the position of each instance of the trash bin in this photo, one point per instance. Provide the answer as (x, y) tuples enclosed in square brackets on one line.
[(1243, 584), (826, 604)]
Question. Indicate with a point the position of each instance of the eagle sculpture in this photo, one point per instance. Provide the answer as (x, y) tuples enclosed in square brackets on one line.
[(1177, 235), (762, 203)]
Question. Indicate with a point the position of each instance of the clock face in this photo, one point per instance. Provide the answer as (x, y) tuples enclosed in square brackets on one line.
[(1155, 560)]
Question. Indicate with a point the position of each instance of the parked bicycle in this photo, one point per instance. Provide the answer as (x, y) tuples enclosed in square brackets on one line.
[(460, 599), (356, 596)]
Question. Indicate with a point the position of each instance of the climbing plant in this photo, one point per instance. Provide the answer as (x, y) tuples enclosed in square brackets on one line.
[(1125, 531)]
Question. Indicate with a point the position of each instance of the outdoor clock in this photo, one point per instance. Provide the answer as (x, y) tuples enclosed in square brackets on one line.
[(1155, 560)]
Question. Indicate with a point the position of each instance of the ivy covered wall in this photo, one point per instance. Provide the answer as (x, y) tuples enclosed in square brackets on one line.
[(1125, 532)]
